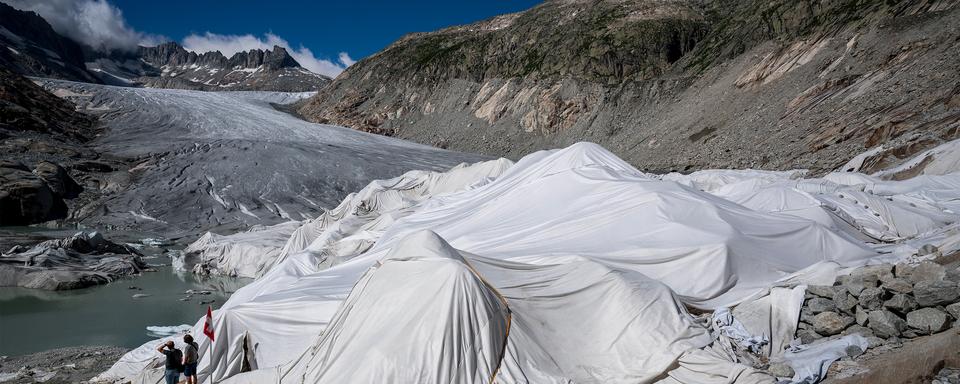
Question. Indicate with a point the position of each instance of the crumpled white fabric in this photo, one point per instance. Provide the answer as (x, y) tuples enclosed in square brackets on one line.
[(551, 210), (810, 362)]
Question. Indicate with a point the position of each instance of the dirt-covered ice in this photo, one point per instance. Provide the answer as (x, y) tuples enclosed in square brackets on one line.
[(228, 160)]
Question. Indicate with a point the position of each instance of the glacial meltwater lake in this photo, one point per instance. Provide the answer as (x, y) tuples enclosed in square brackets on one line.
[(35, 320)]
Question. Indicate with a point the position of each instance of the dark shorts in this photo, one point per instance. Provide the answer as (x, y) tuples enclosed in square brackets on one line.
[(190, 369)]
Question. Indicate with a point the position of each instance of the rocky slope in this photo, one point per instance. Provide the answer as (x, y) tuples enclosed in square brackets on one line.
[(43, 153), (671, 85), (30, 46)]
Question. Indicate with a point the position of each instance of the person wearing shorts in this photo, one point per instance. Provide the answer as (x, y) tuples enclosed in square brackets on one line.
[(173, 364), (191, 357)]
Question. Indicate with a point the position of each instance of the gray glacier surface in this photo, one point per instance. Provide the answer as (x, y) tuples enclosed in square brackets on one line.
[(227, 160)]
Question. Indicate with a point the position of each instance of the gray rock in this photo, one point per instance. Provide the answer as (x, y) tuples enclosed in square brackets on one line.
[(873, 342), (857, 283), (896, 284), (25, 198), (857, 329), (872, 298), (924, 271), (806, 315), (928, 320), (901, 304), (780, 369), (932, 293), (802, 325), (927, 249), (853, 351), (845, 302), (886, 324), (808, 336), (910, 334), (825, 291), (861, 316), (58, 179), (819, 305), (954, 310), (831, 323), (953, 275), (880, 271)]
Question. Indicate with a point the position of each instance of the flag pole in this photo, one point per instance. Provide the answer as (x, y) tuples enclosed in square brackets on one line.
[(208, 331)]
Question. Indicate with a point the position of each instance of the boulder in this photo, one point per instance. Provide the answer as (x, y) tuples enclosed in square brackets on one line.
[(954, 310), (886, 324), (896, 284), (831, 323), (881, 271), (953, 275), (924, 271), (872, 298), (25, 198), (58, 180), (845, 302), (853, 351), (781, 369), (933, 293), (819, 305), (857, 283), (806, 315), (901, 304), (808, 336), (928, 320), (825, 291), (857, 329), (873, 342), (861, 315)]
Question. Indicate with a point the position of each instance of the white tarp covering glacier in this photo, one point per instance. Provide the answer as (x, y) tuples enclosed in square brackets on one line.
[(568, 266)]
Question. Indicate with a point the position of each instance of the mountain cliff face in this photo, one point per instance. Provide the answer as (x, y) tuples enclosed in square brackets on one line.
[(671, 84), (169, 65), (29, 46)]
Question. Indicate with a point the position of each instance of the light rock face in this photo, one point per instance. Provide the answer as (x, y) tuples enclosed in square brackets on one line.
[(927, 320), (683, 88), (885, 323), (831, 323), (939, 292)]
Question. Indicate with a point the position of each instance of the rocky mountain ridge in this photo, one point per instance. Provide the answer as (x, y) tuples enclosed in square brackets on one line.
[(671, 85), (30, 46), (169, 65)]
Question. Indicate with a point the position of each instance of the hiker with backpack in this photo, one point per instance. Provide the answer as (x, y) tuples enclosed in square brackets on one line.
[(174, 363)]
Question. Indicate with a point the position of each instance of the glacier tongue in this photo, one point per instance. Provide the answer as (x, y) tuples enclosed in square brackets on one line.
[(228, 160)]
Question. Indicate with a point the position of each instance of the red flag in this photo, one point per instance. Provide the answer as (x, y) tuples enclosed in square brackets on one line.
[(208, 325)]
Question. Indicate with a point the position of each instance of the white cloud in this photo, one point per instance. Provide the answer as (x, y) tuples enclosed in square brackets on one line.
[(231, 44), (96, 23), (346, 60)]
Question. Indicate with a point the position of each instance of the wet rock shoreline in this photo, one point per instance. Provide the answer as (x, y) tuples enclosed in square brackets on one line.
[(62, 365)]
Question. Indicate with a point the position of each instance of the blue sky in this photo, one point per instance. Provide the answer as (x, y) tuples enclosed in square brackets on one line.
[(357, 27), (325, 37)]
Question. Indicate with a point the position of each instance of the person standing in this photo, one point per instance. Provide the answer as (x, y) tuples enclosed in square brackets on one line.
[(173, 364), (191, 357)]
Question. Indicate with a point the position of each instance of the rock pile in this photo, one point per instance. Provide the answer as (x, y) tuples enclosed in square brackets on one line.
[(883, 303), (79, 261)]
